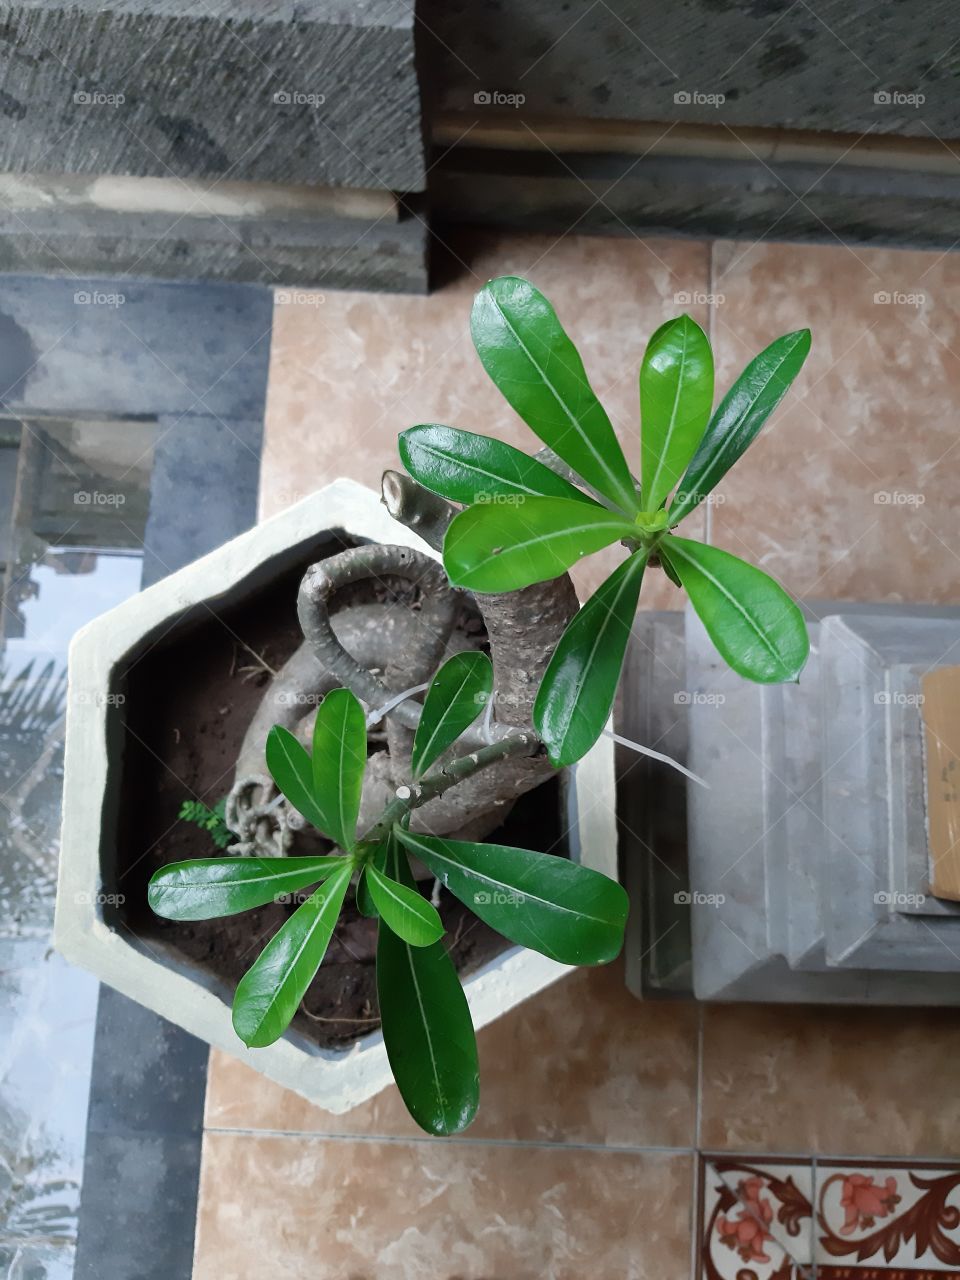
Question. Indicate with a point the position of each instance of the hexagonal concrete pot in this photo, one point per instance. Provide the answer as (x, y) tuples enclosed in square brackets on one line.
[(87, 930)]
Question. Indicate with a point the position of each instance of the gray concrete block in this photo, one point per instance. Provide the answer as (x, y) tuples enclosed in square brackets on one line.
[(275, 92), (322, 253), (127, 348), (776, 64)]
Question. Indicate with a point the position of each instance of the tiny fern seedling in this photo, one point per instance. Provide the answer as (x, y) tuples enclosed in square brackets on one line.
[(524, 523), (524, 520)]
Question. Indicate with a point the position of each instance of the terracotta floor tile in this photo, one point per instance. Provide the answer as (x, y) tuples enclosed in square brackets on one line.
[(834, 1081), (297, 1207), (347, 374), (850, 491), (582, 1062), (873, 1214)]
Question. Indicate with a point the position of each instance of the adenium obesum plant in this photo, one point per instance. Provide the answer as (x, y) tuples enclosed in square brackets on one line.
[(508, 521)]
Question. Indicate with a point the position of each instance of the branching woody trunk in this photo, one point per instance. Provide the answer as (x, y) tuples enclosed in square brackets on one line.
[(379, 649)]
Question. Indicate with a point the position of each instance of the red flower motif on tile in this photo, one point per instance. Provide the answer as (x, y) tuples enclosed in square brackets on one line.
[(747, 1233), (863, 1201)]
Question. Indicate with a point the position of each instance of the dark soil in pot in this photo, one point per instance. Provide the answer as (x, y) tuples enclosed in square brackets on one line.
[(189, 700)]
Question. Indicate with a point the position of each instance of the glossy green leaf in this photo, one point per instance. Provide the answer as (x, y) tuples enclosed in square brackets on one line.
[(536, 367), (567, 912), (339, 760), (405, 911), (504, 548), (204, 888), (269, 993), (676, 396), (325, 789), (577, 690), (757, 629), (427, 1029), (458, 693), (365, 903), (739, 416), (469, 468)]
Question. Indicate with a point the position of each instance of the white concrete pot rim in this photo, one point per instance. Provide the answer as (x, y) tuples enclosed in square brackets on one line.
[(336, 1079)]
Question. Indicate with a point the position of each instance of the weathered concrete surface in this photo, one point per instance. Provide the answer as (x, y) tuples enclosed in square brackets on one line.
[(668, 194), (332, 253), (778, 63), (271, 91)]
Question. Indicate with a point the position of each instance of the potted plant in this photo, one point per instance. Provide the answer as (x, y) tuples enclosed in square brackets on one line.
[(516, 684)]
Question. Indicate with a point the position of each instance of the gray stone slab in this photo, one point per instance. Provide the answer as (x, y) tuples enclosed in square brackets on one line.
[(652, 806), (778, 64), (277, 92), (863, 927), (129, 348), (331, 253), (656, 194)]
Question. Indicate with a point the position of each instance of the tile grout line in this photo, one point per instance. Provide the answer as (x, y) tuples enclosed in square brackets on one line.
[(427, 1140)]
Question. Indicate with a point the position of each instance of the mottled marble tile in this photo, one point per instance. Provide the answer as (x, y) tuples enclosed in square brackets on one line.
[(309, 1208), (583, 1062), (877, 1082), (349, 370), (850, 490), (878, 1218)]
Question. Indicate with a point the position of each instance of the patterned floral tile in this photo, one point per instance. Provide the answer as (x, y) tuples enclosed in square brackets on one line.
[(745, 1209), (779, 1194), (878, 1219)]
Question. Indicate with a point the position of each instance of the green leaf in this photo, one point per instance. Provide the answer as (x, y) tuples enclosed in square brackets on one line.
[(739, 416), (204, 888), (547, 903), (365, 903), (458, 693), (269, 993), (339, 761), (404, 910), (757, 629), (578, 687), (470, 468), (427, 1028), (536, 367), (504, 548), (325, 789), (676, 396)]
